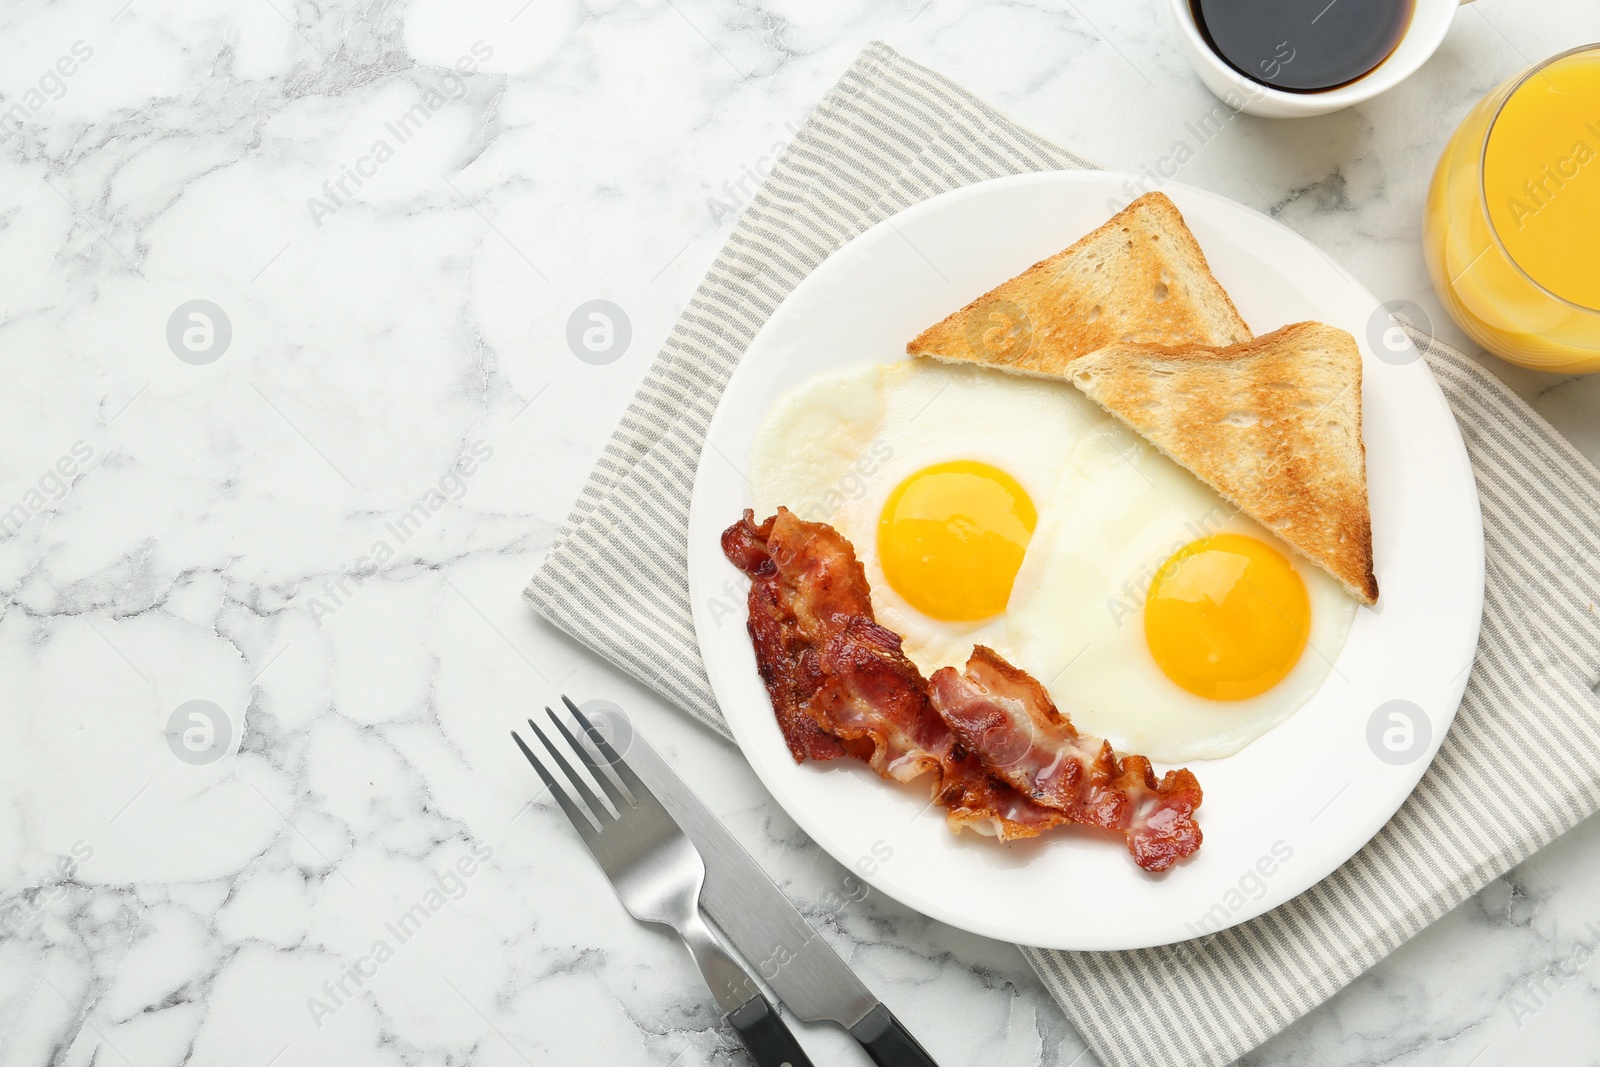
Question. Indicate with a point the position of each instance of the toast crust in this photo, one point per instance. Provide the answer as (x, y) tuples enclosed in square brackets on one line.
[(1139, 278), (1273, 425)]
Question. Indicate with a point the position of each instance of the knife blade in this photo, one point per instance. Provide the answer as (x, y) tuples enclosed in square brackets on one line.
[(788, 953)]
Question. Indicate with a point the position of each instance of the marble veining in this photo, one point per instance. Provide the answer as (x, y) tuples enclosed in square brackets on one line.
[(294, 407)]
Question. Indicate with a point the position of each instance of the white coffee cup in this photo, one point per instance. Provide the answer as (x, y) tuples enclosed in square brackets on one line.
[(1430, 21)]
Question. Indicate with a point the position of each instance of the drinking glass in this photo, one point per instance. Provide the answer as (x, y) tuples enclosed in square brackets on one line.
[(1516, 259)]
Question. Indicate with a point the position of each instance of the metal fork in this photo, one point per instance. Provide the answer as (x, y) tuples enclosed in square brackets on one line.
[(657, 874)]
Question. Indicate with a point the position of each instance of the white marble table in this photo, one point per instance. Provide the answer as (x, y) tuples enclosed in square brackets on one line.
[(278, 526)]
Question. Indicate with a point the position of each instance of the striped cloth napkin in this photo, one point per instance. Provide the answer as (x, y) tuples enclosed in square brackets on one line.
[(1521, 763)]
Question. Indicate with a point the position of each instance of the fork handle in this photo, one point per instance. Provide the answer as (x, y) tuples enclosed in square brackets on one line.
[(765, 1036)]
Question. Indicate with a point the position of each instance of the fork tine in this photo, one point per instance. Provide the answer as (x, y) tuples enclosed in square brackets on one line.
[(601, 812), (618, 764), (611, 791), (581, 820)]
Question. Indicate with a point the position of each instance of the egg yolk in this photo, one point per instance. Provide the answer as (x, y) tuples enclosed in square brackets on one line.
[(951, 537), (1227, 617)]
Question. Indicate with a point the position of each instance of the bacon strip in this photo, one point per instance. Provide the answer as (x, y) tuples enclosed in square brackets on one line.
[(1005, 761), (1007, 718), (840, 684), (784, 655)]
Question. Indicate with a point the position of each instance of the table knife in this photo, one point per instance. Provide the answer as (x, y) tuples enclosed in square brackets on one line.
[(805, 972)]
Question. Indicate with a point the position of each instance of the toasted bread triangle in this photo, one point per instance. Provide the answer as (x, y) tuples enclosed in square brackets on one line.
[(1273, 425), (1139, 278)]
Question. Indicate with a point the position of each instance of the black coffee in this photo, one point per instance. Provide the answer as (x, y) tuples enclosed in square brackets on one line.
[(1303, 46)]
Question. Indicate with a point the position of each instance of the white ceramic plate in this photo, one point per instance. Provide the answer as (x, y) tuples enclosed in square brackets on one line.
[(1279, 815)]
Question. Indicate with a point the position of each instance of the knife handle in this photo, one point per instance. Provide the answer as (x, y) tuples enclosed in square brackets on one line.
[(889, 1043), (765, 1036)]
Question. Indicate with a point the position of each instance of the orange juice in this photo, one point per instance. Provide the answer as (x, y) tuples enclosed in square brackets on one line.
[(1512, 232)]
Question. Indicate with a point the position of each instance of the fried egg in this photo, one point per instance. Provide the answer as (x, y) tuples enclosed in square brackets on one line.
[(1014, 512), (1162, 619), (932, 472)]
